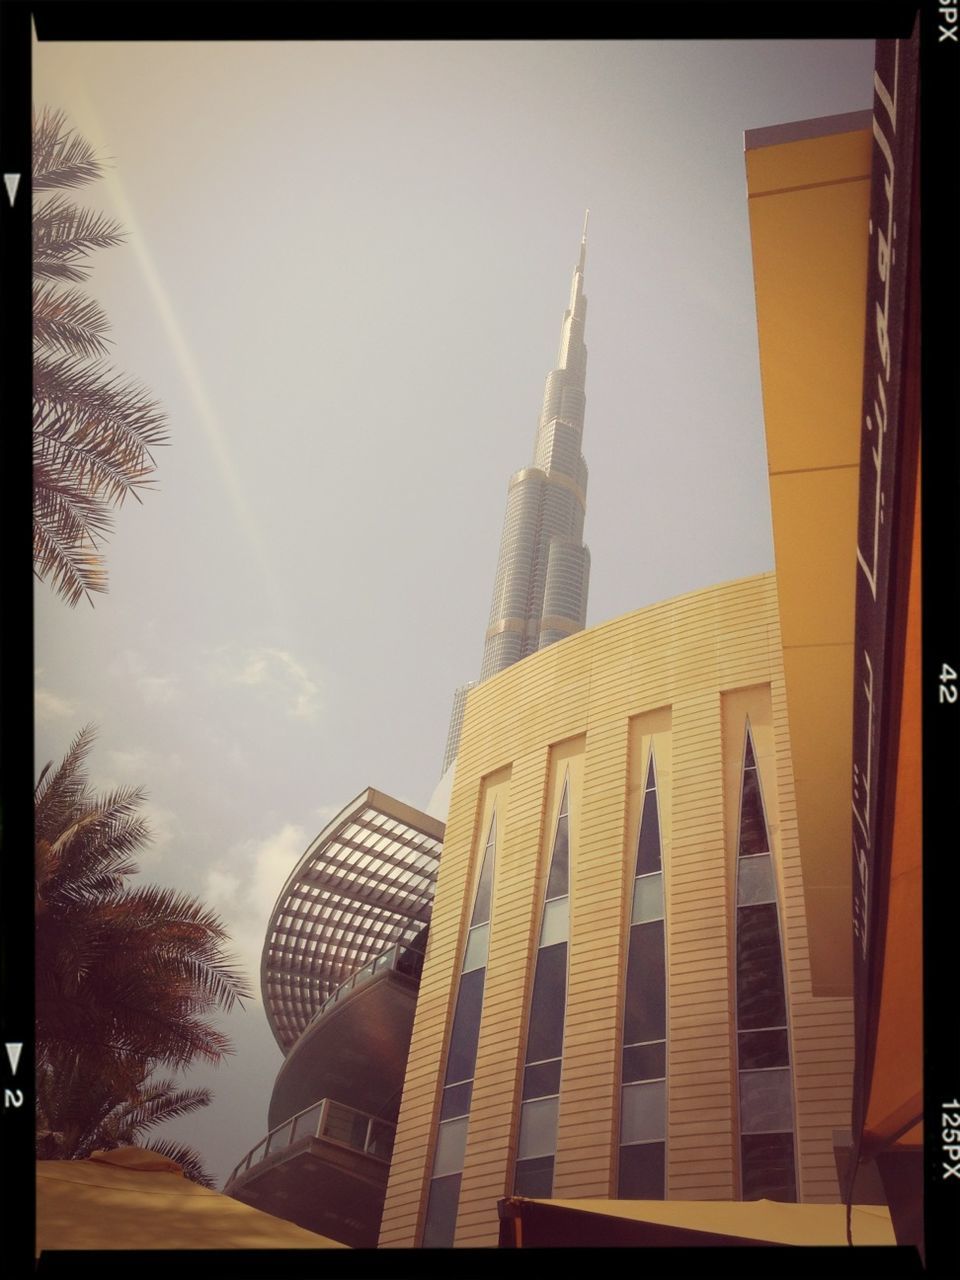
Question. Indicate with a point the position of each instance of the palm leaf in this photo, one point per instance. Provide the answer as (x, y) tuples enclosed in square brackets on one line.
[(68, 320), (61, 157), (93, 402), (65, 233), (188, 1160), (64, 555)]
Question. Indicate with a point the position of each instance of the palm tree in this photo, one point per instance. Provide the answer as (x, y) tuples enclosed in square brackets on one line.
[(77, 1116), (92, 430), (124, 976)]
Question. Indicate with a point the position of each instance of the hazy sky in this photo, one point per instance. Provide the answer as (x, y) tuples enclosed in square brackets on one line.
[(345, 279)]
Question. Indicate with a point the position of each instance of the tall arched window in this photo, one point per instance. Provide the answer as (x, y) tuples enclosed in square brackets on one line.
[(767, 1155), (441, 1217), (643, 1099), (537, 1138)]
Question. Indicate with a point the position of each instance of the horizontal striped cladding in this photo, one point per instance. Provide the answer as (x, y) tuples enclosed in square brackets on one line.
[(675, 658)]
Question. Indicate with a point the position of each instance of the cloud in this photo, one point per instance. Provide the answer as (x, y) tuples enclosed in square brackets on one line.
[(47, 706), (245, 884), (279, 674), (157, 691)]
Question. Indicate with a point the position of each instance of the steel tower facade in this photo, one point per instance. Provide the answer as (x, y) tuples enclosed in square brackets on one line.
[(540, 589)]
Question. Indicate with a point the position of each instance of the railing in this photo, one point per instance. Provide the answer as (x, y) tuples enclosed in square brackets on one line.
[(402, 958), (331, 1121)]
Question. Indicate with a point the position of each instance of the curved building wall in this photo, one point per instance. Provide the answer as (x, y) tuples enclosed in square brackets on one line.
[(680, 680)]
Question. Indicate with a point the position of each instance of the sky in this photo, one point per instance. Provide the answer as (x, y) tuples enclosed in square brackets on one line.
[(344, 280)]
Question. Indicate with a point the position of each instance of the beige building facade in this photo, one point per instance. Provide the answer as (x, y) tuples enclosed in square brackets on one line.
[(679, 711)]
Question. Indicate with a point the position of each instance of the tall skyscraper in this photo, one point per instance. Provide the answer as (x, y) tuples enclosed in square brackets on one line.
[(540, 591)]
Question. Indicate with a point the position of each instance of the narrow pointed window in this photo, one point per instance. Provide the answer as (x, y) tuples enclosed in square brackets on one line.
[(444, 1195), (537, 1139), (767, 1148), (643, 1101)]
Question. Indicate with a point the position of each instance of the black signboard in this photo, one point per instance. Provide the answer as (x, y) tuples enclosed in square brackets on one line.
[(888, 459)]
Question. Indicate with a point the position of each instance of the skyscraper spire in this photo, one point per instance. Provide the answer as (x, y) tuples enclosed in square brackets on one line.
[(540, 590)]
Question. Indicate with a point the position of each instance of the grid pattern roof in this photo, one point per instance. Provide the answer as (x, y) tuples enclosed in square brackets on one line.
[(365, 882)]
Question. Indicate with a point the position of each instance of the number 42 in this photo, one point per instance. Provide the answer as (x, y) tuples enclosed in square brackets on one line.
[(948, 688)]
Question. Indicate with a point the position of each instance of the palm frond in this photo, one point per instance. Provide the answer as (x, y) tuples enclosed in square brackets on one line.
[(65, 233), (94, 402), (64, 556), (68, 783), (188, 1160), (68, 320), (158, 1101), (61, 157)]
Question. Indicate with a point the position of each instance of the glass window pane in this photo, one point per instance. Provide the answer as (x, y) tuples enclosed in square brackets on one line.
[(534, 1178), (642, 1171), (648, 842), (764, 1048), (766, 1101), (767, 1165), (441, 1216), (451, 1144), (343, 1124), (558, 883), (645, 1014), (760, 998), (466, 1028), (643, 1114), (542, 1079), (645, 1061), (538, 1128), (475, 955), (306, 1124), (556, 922), (281, 1137), (755, 882), (753, 828), (481, 904), (410, 961), (456, 1100), (647, 898), (547, 1004)]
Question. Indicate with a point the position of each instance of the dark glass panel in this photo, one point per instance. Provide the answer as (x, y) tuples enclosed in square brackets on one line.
[(651, 776), (558, 882), (753, 828), (456, 1100), (542, 1079), (645, 1061), (481, 904), (441, 1217), (466, 1028), (749, 759), (534, 1178), (760, 999), (648, 844), (768, 1166), (645, 1013), (547, 1004), (410, 962), (641, 1172), (764, 1049)]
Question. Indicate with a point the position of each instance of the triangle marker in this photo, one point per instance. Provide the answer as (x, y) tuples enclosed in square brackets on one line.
[(13, 1053), (11, 181)]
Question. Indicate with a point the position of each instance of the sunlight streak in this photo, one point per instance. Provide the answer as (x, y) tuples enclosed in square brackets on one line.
[(89, 126)]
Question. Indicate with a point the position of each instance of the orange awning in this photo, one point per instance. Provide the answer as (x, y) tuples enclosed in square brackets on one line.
[(135, 1199), (689, 1222)]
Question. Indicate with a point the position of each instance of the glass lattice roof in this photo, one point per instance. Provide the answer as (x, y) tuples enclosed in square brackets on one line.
[(366, 882)]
